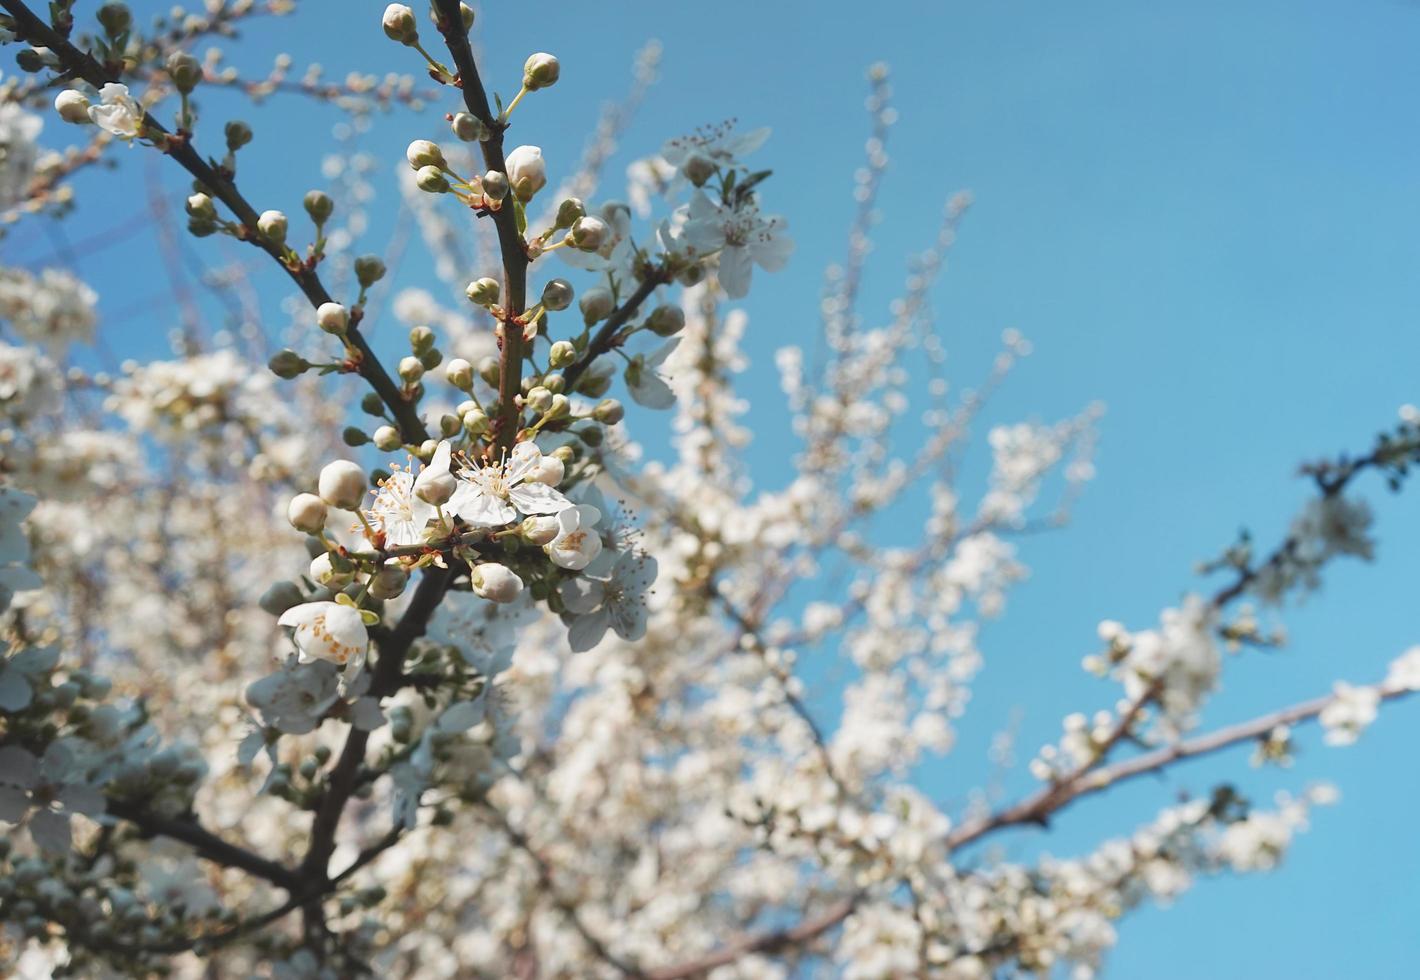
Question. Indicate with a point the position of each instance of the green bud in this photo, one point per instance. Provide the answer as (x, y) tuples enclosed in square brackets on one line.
[(569, 211), (468, 127), (115, 18), (488, 370), (539, 399), (29, 60), (399, 25), (288, 364), (560, 407), (666, 321), (372, 404), (541, 70), (562, 355), (557, 294), (354, 436), (592, 436), (318, 205), (483, 292), (184, 70), (369, 269), (449, 425), (475, 423), (459, 373), (421, 339), (386, 439), (431, 180), (495, 185), (554, 383), (609, 411), (410, 370), (431, 358), (424, 153), (239, 134), (280, 597)]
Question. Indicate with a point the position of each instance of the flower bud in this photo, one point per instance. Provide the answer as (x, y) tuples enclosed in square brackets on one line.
[(449, 426), (386, 439), (596, 304), (557, 294), (562, 354), (410, 370), (589, 233), (354, 436), (468, 127), (495, 582), (539, 399), (399, 24), (549, 470), (372, 404), (435, 487), (272, 225), (698, 168), (593, 384), (495, 185), (280, 597), (666, 321), (184, 70), (554, 383), (342, 484), (115, 18), (388, 582), (306, 512), (318, 205), (527, 174), (560, 406), (72, 106), (459, 373), (424, 153), (592, 436), (540, 530), (569, 211), (201, 206), (475, 423), (609, 411), (323, 571), (488, 370), (567, 454), (541, 70), (431, 180), (421, 339), (333, 318), (369, 269), (288, 364), (238, 134), (483, 292)]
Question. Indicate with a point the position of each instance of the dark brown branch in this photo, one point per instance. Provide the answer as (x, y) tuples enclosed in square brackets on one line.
[(205, 843), (80, 64), (605, 337)]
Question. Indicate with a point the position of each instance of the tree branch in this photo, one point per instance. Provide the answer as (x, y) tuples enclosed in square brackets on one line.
[(605, 337), (205, 843)]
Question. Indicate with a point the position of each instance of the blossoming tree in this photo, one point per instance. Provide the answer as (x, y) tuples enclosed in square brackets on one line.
[(519, 703)]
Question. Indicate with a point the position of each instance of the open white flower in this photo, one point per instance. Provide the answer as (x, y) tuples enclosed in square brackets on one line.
[(397, 511), (577, 542), (643, 377), (618, 602), (744, 238), (118, 112), (294, 698), (328, 631), (495, 494), (720, 145)]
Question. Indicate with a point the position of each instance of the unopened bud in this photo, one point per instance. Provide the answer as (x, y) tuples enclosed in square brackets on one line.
[(495, 185), (201, 206), (431, 180), (569, 211), (588, 233), (369, 269), (698, 168), (459, 373), (495, 582), (280, 597), (557, 294), (272, 225), (488, 370), (238, 134), (475, 422), (388, 582), (386, 439), (354, 436), (562, 354), (325, 571), (115, 18), (306, 512), (184, 70), (609, 411), (539, 399), (318, 205), (421, 339), (483, 292), (527, 173), (666, 321), (410, 370), (288, 364), (399, 24), (560, 406), (333, 318), (72, 106), (342, 484), (596, 304), (424, 153), (468, 127), (372, 404), (540, 530), (541, 70)]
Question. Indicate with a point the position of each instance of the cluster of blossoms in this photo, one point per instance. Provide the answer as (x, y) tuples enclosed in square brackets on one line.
[(534, 693)]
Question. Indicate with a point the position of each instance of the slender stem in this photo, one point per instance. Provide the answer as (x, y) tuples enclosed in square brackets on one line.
[(605, 337)]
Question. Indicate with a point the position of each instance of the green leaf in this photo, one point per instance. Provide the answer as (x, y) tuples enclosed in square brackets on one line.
[(521, 215)]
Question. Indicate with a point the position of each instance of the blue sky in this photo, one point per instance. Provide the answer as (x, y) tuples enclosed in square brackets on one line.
[(1203, 215)]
